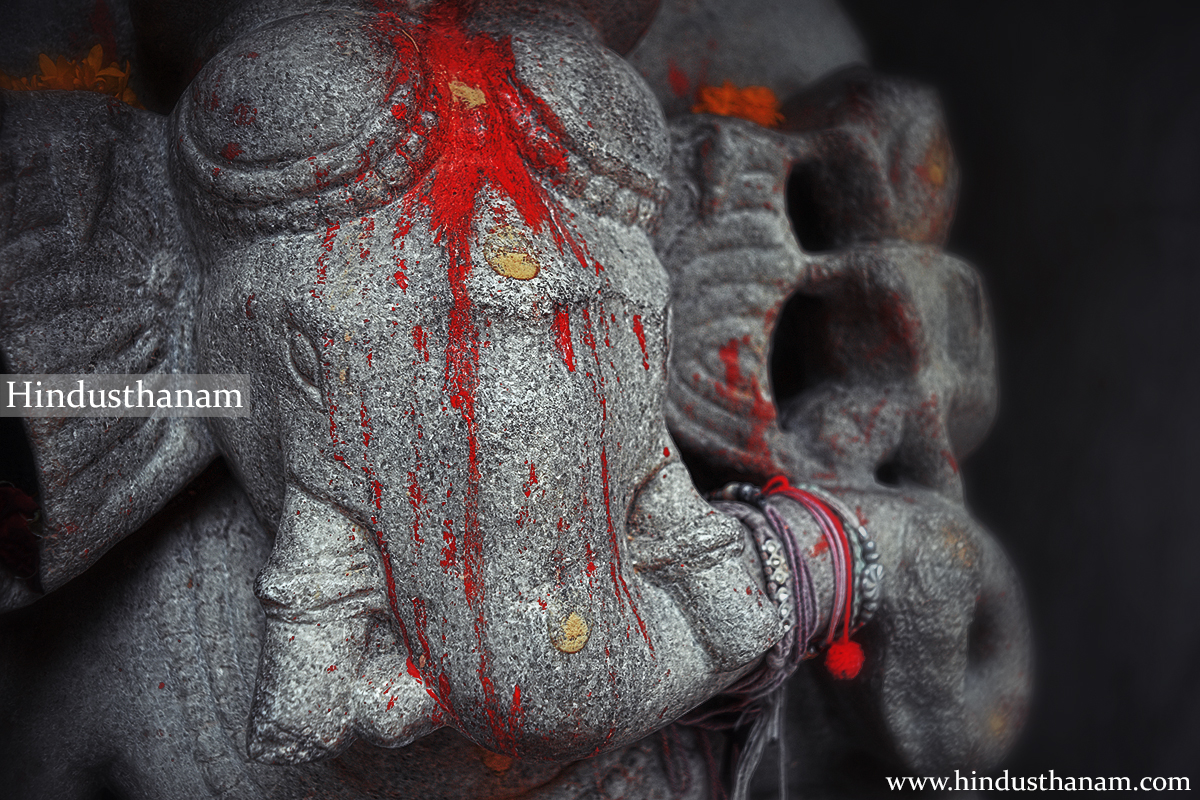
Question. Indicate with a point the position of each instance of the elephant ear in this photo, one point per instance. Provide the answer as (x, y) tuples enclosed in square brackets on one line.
[(96, 276)]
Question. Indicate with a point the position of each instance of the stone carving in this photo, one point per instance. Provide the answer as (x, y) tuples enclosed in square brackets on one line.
[(455, 524)]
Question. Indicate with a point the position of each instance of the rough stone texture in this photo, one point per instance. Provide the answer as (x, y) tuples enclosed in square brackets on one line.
[(97, 277), (448, 453), (139, 676), (432, 241)]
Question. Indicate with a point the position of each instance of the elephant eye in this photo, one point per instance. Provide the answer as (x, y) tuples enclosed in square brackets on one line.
[(304, 362)]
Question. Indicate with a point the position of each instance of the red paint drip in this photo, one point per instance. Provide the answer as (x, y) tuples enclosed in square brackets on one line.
[(618, 574), (528, 487), (420, 341), (364, 421), (678, 79), (562, 336), (416, 499), (736, 391), (516, 714), (390, 580), (421, 618), (450, 551), (640, 333), (616, 571), (326, 248)]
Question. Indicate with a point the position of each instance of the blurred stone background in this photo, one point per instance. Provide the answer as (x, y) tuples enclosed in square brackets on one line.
[(1077, 126)]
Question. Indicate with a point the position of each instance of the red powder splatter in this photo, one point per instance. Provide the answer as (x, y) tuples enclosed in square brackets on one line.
[(818, 548), (667, 451), (244, 114), (640, 333), (899, 334), (231, 151), (249, 308), (951, 460), (162, 685), (391, 700), (678, 79), (490, 131)]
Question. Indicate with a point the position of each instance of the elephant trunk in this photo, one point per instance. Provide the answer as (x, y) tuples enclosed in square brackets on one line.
[(328, 667), (545, 667)]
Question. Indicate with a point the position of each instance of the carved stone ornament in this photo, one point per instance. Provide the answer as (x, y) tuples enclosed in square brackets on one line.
[(509, 300)]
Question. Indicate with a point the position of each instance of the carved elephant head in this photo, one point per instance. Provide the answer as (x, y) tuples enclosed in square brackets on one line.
[(431, 233), (425, 237)]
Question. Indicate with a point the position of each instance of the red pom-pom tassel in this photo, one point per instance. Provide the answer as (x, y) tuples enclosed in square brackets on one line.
[(844, 659)]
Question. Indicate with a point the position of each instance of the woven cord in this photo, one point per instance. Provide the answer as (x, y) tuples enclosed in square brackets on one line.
[(759, 699)]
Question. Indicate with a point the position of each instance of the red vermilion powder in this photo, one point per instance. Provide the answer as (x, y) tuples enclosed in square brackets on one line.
[(493, 132)]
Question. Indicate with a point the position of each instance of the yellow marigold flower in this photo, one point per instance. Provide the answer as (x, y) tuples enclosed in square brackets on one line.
[(88, 75), (755, 103)]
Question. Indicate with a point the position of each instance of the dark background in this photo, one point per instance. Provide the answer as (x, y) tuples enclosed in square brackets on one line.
[(1077, 126)]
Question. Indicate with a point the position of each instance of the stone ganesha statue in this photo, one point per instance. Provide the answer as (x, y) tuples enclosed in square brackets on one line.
[(454, 549)]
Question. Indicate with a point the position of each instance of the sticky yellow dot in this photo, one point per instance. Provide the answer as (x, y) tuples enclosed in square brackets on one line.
[(937, 176), (572, 635), (519, 266), (470, 96)]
